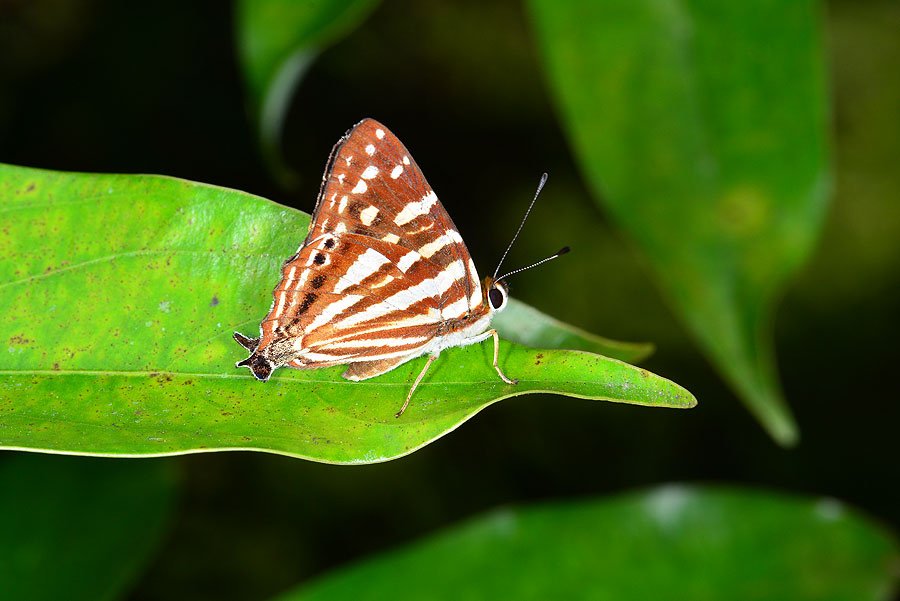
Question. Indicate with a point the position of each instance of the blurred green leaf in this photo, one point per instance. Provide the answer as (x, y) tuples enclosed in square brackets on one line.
[(74, 528), (526, 325), (701, 125), (277, 42), (118, 298), (670, 543)]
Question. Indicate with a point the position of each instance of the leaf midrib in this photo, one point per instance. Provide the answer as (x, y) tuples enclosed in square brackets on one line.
[(157, 373)]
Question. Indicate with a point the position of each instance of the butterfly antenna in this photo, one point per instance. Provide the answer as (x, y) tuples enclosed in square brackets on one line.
[(521, 225), (555, 255)]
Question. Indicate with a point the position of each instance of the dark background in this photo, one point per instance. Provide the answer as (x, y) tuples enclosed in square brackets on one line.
[(105, 86)]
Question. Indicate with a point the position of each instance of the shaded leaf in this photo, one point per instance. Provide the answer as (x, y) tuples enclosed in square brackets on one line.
[(670, 543), (701, 127), (75, 528), (118, 298), (526, 325), (277, 42)]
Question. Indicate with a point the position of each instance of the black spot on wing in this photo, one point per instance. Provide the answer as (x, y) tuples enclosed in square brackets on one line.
[(308, 300)]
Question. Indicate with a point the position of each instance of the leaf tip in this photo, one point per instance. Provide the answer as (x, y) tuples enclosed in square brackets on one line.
[(785, 434)]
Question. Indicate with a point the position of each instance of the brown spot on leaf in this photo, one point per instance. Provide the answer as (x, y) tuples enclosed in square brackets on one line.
[(20, 340)]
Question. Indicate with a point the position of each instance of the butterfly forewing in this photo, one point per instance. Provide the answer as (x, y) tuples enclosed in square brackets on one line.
[(382, 272), (374, 187)]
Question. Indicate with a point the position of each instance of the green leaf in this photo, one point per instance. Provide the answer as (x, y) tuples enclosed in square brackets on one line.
[(277, 42), (670, 543), (526, 325), (701, 126), (74, 528), (118, 298)]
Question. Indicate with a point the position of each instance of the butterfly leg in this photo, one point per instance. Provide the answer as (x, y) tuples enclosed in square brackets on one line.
[(428, 363), (500, 373)]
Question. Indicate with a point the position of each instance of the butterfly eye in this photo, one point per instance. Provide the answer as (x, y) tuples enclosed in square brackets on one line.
[(497, 298)]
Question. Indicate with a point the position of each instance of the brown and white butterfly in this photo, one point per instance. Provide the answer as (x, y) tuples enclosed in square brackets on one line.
[(383, 276)]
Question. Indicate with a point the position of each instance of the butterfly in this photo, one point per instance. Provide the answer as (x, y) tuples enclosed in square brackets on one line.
[(383, 276)]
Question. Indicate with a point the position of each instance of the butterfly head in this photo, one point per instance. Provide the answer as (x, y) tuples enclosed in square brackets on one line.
[(496, 294)]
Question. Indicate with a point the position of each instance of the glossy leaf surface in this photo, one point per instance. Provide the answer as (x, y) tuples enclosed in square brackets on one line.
[(118, 299)]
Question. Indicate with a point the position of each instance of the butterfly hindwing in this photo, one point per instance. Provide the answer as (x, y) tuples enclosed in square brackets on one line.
[(349, 301)]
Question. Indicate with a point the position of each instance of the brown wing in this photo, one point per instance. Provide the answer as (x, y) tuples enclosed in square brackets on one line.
[(382, 271), (373, 187)]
